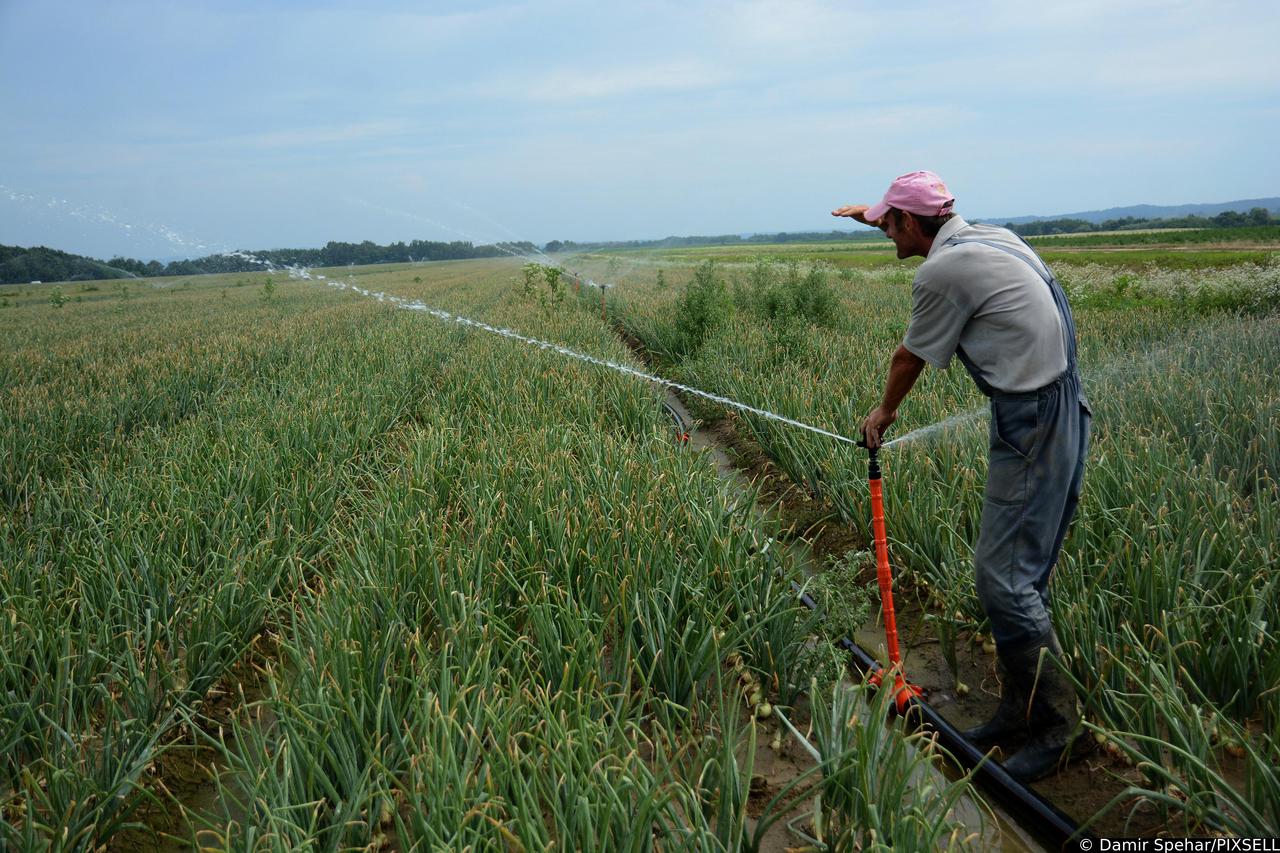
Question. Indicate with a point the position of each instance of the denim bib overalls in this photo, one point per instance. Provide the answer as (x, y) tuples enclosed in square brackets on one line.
[(1038, 443)]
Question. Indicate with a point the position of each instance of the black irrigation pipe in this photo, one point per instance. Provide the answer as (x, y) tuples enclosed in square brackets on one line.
[(1032, 811), (682, 429)]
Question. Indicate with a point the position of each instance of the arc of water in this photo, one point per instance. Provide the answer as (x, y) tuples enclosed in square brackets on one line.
[(415, 305)]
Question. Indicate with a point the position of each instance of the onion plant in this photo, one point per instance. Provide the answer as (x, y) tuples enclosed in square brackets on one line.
[(880, 787)]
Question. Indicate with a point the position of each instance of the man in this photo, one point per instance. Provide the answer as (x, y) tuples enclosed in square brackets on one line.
[(983, 294)]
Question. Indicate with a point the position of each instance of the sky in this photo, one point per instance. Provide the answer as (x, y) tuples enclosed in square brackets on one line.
[(172, 128)]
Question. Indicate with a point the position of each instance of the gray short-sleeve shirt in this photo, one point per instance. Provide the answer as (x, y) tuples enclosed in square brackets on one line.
[(990, 303)]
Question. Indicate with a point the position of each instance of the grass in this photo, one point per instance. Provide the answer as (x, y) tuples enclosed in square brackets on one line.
[(490, 602)]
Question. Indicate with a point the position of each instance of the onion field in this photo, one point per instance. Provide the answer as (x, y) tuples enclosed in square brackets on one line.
[(284, 567)]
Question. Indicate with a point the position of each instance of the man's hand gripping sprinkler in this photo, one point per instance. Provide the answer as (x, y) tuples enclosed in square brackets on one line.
[(903, 691)]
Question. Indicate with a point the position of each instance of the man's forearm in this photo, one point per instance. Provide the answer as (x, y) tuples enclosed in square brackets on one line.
[(904, 370)]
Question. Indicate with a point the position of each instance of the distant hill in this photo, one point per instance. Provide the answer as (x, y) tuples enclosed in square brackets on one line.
[(19, 266), (1151, 211)]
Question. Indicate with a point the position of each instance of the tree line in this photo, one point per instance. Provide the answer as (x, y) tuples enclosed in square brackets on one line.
[(20, 265), (332, 254), (1227, 219)]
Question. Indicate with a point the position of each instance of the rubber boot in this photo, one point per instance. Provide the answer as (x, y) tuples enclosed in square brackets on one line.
[(1052, 717), (1010, 718)]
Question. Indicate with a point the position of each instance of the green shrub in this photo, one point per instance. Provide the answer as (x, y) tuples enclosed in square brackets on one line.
[(704, 306), (530, 273), (554, 283), (779, 295)]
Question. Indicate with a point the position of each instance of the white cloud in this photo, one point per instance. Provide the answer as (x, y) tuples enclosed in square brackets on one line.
[(1124, 48), (797, 26), (301, 137), (570, 84)]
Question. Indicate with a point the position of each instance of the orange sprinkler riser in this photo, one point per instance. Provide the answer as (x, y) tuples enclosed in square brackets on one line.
[(883, 573), (903, 690)]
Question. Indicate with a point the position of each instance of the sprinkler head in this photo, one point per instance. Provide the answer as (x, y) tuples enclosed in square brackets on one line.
[(862, 442), (873, 459)]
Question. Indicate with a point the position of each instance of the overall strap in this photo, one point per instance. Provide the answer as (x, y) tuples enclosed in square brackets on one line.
[(1059, 296), (1040, 269)]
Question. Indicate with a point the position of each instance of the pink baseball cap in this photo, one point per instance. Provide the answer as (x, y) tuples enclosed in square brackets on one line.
[(915, 192)]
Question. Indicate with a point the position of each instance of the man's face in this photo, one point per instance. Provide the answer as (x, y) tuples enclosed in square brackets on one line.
[(901, 229)]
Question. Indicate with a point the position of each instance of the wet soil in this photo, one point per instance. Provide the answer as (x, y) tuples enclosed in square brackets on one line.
[(189, 778), (772, 771)]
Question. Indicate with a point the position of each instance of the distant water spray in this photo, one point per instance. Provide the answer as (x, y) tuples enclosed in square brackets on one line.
[(469, 209), (101, 216), (497, 244), (563, 264), (135, 229)]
